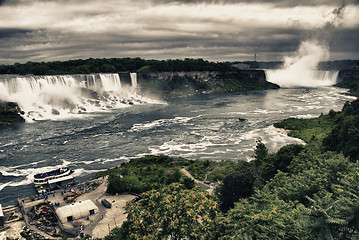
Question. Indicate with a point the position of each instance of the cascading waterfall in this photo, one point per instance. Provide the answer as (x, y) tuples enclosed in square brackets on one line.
[(110, 82), (300, 70), (307, 78), (134, 80), (62, 96)]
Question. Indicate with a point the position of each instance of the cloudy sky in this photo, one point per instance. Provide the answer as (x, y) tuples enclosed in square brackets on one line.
[(49, 30)]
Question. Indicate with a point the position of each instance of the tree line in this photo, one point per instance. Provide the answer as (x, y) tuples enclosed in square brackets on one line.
[(113, 65)]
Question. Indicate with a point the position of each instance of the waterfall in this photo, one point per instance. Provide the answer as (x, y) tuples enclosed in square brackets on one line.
[(133, 80), (299, 70), (61, 96), (303, 78), (110, 82)]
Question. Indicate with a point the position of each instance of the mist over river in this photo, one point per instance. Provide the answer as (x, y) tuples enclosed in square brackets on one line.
[(200, 127)]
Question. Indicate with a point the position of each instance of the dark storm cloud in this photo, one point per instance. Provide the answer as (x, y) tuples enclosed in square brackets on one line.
[(26, 2), (11, 2), (13, 32), (45, 30), (49, 46), (345, 40)]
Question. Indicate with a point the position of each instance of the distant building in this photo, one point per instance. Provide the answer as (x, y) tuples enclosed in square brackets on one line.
[(76, 211), (241, 65)]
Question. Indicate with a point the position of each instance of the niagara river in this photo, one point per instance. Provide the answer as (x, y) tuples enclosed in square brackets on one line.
[(217, 126)]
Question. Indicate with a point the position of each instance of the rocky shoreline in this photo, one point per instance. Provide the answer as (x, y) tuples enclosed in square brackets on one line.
[(10, 114), (183, 84)]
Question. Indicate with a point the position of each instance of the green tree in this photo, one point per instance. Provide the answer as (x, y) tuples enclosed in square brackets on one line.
[(279, 161), (310, 172), (119, 184), (235, 186), (172, 212), (344, 137), (321, 218), (347, 193), (262, 216), (188, 183), (260, 153), (334, 215)]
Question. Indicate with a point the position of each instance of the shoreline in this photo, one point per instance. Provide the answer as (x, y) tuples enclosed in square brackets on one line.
[(285, 132)]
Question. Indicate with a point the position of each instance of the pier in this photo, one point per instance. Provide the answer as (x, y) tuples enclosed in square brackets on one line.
[(38, 213)]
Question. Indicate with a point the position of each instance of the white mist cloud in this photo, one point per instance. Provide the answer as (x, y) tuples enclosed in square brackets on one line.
[(300, 70)]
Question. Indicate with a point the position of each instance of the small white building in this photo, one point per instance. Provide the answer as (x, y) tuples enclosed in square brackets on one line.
[(76, 211)]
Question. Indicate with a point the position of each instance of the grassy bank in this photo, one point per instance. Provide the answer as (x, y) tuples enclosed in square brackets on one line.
[(300, 192), (153, 172)]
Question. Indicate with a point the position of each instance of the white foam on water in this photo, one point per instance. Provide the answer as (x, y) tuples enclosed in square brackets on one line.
[(84, 172), (102, 160), (160, 123), (306, 116), (251, 135), (28, 173), (79, 172), (271, 137), (18, 172), (11, 143), (234, 113), (263, 111), (28, 164), (27, 181), (278, 139), (178, 147)]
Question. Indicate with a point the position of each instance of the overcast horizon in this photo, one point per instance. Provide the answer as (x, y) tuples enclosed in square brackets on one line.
[(227, 30)]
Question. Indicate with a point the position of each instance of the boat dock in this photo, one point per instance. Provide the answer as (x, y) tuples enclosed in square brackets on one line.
[(38, 213)]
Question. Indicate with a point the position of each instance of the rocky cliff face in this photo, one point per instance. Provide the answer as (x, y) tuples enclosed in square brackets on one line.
[(9, 114), (181, 84)]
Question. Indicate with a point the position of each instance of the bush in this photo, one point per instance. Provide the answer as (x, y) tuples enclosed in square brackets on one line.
[(119, 184), (235, 186)]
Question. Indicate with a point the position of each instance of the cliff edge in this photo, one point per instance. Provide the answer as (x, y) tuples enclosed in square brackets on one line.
[(182, 84)]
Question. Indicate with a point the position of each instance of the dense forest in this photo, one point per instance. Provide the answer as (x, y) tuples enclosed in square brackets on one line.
[(113, 65), (300, 192)]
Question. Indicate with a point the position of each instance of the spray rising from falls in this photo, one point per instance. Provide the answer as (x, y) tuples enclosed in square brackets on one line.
[(301, 70), (62, 96)]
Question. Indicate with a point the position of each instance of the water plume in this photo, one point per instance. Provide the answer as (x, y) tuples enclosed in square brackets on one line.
[(300, 70)]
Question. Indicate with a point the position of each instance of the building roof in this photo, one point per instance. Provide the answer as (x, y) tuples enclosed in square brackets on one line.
[(76, 210)]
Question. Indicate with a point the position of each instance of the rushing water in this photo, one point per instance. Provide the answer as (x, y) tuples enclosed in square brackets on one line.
[(60, 96), (199, 127)]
